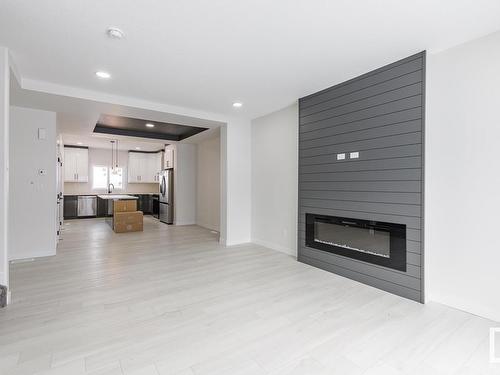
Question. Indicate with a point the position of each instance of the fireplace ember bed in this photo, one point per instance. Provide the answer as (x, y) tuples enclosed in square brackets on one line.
[(371, 241)]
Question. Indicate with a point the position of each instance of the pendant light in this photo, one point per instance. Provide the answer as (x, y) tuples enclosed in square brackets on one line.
[(114, 155)]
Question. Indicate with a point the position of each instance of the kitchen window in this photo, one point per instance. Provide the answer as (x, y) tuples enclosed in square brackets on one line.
[(116, 177), (102, 176), (99, 177)]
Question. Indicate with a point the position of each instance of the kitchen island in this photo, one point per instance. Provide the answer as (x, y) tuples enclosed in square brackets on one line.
[(110, 200)]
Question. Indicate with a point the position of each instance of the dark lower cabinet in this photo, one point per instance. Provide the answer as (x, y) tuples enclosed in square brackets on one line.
[(139, 202), (102, 207), (70, 206), (156, 206), (145, 203)]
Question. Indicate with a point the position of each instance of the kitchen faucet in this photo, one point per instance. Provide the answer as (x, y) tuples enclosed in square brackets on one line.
[(109, 188)]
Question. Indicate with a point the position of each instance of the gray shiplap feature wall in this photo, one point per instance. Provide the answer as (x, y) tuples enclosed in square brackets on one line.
[(381, 115)]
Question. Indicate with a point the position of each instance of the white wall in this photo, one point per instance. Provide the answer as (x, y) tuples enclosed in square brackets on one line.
[(184, 184), (4, 163), (236, 182), (208, 183), (32, 214), (102, 156), (462, 192), (274, 180)]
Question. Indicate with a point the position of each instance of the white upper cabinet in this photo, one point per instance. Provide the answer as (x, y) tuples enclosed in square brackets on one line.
[(144, 167), (76, 164), (134, 167), (158, 165), (149, 168), (169, 158)]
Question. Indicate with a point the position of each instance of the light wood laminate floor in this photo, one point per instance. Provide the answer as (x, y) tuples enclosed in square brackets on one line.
[(171, 300)]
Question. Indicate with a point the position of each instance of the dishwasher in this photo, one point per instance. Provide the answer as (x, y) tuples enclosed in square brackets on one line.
[(87, 205)]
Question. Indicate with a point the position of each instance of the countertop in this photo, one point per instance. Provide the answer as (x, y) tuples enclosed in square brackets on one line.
[(117, 197), (104, 194)]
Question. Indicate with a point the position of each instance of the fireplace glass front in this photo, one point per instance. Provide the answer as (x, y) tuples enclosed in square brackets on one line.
[(367, 240)]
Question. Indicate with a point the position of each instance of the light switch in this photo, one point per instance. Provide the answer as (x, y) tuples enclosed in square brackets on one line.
[(354, 155), (42, 133), (340, 156)]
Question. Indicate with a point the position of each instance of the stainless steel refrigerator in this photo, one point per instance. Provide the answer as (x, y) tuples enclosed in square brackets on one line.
[(167, 196)]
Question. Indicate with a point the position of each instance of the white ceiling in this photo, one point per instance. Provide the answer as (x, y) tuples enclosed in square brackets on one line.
[(76, 119), (207, 54)]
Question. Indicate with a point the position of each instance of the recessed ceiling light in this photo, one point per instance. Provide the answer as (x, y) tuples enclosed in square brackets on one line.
[(149, 125), (79, 143), (115, 33), (137, 148), (103, 75), (237, 104)]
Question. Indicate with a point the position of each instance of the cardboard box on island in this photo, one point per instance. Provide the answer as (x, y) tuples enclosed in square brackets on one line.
[(129, 205), (128, 222)]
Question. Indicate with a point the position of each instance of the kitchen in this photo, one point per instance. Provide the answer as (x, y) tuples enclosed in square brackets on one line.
[(96, 177), (47, 180), (126, 158)]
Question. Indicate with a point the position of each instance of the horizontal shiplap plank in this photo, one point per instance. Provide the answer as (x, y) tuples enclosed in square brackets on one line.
[(362, 104), (385, 131), (386, 197), (409, 221), (363, 145), (359, 83), (364, 186), (409, 279), (383, 109), (363, 165), (412, 258), (384, 208), (384, 175), (413, 235), (414, 246), (372, 154), (370, 91), (368, 280), (370, 123)]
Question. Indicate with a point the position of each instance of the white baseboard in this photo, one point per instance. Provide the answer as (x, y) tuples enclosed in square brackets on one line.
[(207, 226), (273, 246), (184, 223), (33, 255), (4, 283)]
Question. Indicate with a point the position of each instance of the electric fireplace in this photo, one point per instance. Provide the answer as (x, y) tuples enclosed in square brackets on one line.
[(370, 241)]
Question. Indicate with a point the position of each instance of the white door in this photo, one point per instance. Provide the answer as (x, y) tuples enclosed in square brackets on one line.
[(59, 198)]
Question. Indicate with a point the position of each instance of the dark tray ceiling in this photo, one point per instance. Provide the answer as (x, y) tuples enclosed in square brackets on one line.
[(134, 127)]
